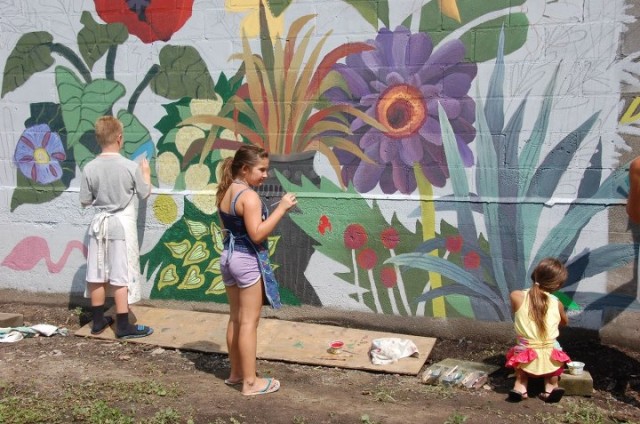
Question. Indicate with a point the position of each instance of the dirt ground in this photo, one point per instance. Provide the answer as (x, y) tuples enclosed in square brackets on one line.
[(65, 379)]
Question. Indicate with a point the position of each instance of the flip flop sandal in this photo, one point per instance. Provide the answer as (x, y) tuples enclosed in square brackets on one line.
[(107, 323), (552, 397), (273, 385), (517, 396)]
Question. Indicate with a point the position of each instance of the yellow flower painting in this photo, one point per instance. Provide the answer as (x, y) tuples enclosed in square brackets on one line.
[(251, 22)]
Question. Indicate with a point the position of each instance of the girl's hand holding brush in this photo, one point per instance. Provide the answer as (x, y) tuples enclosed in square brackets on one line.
[(288, 201)]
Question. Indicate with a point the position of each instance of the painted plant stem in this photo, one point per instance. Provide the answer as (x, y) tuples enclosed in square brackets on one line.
[(394, 303), (72, 57), (374, 292), (153, 71), (401, 288), (428, 213), (356, 278)]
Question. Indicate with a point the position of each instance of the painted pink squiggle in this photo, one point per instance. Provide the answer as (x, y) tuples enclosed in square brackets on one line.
[(30, 250)]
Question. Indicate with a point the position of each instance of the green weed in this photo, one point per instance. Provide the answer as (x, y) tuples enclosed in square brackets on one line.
[(438, 391), (101, 413), (381, 394), (164, 416), (456, 418), (18, 410), (364, 419), (582, 412)]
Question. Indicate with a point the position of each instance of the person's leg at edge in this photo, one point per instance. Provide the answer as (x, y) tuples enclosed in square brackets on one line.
[(97, 294), (522, 379), (250, 305), (233, 294), (120, 296), (123, 327), (550, 383)]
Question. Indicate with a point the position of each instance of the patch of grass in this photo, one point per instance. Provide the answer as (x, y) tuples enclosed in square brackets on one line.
[(164, 416), (583, 412), (100, 412), (380, 394), (438, 391), (131, 391), (364, 419), (456, 418), (299, 420), (84, 403), (17, 410)]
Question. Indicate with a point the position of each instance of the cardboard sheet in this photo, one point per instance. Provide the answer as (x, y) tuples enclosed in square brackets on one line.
[(277, 339)]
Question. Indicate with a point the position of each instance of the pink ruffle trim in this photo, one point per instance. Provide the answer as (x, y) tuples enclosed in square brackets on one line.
[(517, 355)]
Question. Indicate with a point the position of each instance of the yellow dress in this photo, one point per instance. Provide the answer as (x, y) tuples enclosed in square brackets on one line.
[(532, 354)]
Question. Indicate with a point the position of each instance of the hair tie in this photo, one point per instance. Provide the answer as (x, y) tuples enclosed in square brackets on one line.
[(535, 283)]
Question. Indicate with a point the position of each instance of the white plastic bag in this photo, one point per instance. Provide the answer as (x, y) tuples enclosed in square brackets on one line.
[(389, 350)]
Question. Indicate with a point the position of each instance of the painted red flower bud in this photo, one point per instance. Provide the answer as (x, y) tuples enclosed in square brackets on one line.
[(454, 244), (471, 260), (390, 238), (367, 259), (149, 20), (389, 277), (324, 224), (355, 236)]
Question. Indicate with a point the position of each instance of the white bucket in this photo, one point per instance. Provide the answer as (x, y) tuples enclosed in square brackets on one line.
[(575, 367)]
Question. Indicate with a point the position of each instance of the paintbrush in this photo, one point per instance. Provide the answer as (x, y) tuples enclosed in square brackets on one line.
[(295, 208)]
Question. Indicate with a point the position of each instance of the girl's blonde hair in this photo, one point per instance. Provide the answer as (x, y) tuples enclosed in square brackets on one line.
[(107, 130), (247, 155), (548, 276)]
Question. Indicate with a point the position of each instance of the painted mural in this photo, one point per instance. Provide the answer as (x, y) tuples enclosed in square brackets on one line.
[(438, 148)]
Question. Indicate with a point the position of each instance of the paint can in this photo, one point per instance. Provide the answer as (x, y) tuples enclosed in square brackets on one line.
[(575, 367), (335, 347)]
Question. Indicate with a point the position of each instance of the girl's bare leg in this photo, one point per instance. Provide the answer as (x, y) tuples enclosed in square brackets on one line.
[(233, 294), (521, 382), (550, 383), (250, 301)]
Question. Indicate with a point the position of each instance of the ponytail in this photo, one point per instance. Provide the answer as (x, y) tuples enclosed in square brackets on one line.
[(225, 181), (547, 277), (538, 304)]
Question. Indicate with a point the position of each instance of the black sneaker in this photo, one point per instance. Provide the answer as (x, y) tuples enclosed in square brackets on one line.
[(136, 331)]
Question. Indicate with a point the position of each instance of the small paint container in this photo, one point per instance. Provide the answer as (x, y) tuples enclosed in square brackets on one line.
[(575, 367), (335, 347)]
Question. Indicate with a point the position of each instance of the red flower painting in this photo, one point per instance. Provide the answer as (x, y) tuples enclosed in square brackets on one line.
[(149, 20)]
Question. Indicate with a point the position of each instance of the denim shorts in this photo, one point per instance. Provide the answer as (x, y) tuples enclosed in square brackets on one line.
[(242, 270)]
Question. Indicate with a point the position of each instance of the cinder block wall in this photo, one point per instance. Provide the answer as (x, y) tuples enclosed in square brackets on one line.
[(405, 210)]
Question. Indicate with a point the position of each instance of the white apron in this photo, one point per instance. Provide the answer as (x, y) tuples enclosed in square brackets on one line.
[(99, 228)]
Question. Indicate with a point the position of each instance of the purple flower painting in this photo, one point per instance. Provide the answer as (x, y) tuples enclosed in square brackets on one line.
[(400, 83), (39, 153)]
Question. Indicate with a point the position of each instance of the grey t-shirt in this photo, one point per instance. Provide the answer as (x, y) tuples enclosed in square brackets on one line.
[(110, 182)]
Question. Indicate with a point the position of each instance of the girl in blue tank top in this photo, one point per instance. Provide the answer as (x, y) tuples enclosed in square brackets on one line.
[(244, 263)]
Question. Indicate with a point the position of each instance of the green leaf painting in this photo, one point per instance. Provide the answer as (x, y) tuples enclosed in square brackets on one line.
[(277, 7), (31, 54), (95, 39), (185, 261), (512, 252), (478, 32), (322, 220), (372, 11), (83, 103), (183, 73)]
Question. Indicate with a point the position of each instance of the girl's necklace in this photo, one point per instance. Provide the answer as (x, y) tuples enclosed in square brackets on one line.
[(241, 182)]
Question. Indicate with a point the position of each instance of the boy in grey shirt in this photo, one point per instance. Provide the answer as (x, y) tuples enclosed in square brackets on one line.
[(114, 184)]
